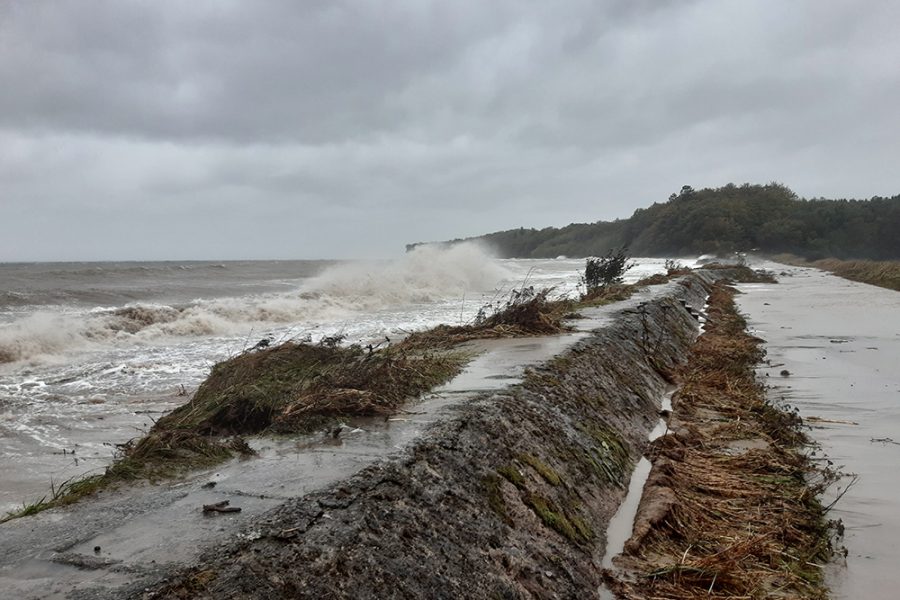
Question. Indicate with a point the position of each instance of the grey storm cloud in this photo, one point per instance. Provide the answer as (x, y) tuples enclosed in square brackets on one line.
[(229, 129)]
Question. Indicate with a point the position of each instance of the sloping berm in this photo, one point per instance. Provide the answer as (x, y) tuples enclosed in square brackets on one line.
[(509, 498)]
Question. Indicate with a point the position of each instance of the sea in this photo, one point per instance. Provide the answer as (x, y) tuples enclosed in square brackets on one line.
[(91, 353)]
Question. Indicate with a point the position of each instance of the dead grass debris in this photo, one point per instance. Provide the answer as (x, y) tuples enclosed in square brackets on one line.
[(742, 524), (884, 273)]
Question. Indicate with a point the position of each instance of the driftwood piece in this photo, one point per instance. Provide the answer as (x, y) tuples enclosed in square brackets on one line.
[(220, 507)]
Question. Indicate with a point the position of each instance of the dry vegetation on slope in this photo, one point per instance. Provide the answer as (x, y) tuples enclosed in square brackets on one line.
[(884, 273), (730, 508)]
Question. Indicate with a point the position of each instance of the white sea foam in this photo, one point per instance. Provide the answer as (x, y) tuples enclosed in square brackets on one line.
[(424, 276), (41, 335)]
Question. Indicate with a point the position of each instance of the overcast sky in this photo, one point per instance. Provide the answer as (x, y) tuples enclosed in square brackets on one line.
[(301, 129)]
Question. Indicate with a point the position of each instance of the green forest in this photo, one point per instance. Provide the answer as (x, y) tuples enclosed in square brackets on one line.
[(735, 218)]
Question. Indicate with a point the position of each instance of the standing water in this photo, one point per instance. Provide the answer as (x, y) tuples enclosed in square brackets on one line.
[(833, 348)]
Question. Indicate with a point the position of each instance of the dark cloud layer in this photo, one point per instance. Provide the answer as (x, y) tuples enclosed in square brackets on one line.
[(227, 129)]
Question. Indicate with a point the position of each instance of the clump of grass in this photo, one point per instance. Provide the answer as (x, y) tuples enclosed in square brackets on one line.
[(166, 453), (745, 524), (60, 495), (564, 520), (290, 388), (495, 497), (607, 295), (525, 312), (542, 468), (556, 519), (581, 527), (513, 475), (297, 387), (655, 279), (609, 457), (28, 509), (742, 273)]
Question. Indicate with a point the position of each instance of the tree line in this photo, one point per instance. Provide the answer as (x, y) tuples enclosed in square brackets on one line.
[(734, 218)]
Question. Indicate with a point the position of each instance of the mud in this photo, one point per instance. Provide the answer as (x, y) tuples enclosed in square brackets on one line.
[(499, 485)]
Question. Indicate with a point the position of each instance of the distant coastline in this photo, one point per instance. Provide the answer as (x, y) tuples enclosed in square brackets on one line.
[(769, 219)]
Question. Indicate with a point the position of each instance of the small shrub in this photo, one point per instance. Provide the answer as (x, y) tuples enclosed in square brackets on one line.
[(526, 309), (607, 270), (675, 268)]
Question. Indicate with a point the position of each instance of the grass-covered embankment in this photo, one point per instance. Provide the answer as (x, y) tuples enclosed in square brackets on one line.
[(509, 496), (885, 273), (730, 509), (299, 387)]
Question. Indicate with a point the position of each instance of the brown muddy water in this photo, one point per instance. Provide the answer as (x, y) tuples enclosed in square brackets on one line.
[(839, 342)]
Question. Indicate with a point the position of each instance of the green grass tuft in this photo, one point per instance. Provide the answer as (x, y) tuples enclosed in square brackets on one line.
[(544, 470)]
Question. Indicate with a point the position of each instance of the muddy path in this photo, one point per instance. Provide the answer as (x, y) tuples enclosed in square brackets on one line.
[(834, 349), (523, 457)]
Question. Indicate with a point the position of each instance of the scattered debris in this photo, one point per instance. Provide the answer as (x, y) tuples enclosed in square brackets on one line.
[(83, 561), (885, 440), (221, 507), (834, 421)]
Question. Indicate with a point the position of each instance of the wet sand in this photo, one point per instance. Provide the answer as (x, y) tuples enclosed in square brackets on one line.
[(840, 342)]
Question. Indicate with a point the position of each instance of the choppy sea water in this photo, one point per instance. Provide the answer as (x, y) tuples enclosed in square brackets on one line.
[(91, 353)]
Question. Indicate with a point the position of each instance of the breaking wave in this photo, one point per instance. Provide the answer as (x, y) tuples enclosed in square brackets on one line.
[(426, 275)]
